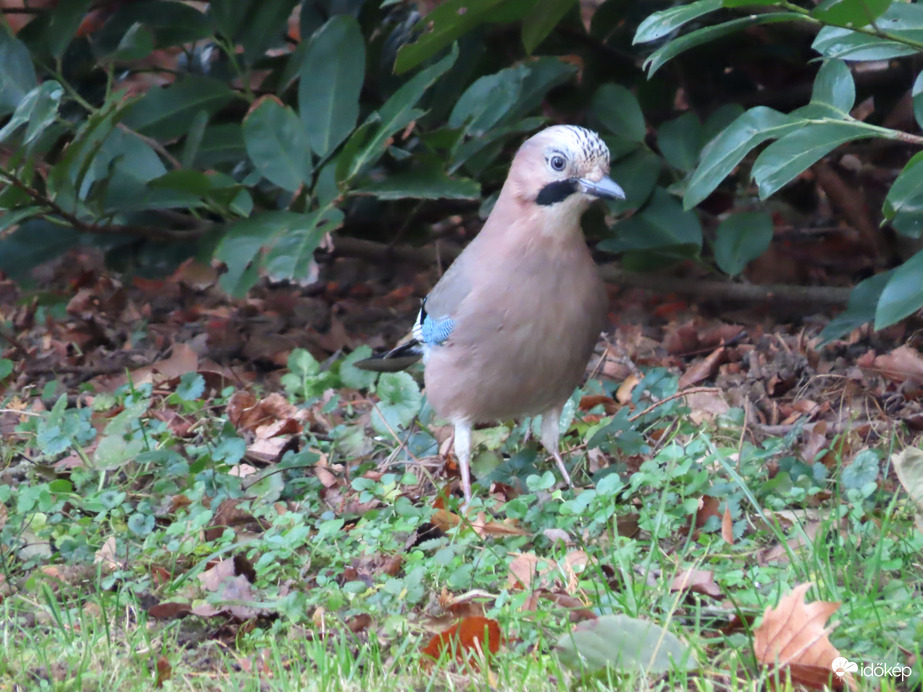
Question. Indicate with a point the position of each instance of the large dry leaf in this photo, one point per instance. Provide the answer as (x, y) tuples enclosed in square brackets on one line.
[(793, 638), (703, 369), (472, 635), (902, 364)]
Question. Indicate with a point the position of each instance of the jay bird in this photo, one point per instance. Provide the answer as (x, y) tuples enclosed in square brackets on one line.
[(508, 329)]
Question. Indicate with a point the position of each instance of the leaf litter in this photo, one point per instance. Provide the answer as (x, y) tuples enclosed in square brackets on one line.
[(785, 382)]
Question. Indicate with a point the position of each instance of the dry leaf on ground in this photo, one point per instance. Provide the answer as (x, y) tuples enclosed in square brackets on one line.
[(472, 635), (792, 638), (700, 581)]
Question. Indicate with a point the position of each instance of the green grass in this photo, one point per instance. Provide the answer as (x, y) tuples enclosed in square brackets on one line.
[(322, 549)]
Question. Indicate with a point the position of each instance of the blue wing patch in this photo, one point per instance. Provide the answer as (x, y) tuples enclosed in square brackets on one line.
[(430, 330)]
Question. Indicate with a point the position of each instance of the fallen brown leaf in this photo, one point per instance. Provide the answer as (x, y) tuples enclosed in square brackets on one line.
[(902, 364), (708, 507), (473, 635), (623, 395), (792, 636), (702, 369), (727, 526), (700, 581), (164, 671)]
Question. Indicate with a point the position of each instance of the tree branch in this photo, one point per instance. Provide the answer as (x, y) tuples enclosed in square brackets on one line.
[(195, 230), (811, 297)]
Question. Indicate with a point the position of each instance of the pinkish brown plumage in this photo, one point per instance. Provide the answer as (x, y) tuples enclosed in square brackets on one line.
[(508, 330)]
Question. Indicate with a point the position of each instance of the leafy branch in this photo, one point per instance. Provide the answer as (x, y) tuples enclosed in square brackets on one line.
[(57, 214)]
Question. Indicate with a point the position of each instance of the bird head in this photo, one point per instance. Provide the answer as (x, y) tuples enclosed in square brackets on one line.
[(562, 169)]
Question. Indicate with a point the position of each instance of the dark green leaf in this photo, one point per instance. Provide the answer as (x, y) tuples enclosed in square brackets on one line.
[(903, 294), (6, 367), (424, 183), (734, 4), (219, 188), (679, 45), (292, 255), (33, 243), (109, 168), (311, 18), (862, 470), (220, 144), (488, 100), (350, 375), (917, 93), (859, 13), (787, 157), (740, 239), (265, 26), (724, 152), (9, 218), (441, 27), (229, 15), (661, 224), (900, 19), (618, 110), (541, 20), (720, 119), (173, 24), (17, 76), (141, 524), (358, 152), (191, 386), (904, 204), (396, 114), (193, 182), (680, 141), (166, 113), (37, 109), (277, 144), (400, 402), (834, 87), (331, 77), (136, 44), (543, 74), (194, 138), (659, 24), (624, 644), (637, 174), (45, 111), (241, 244), (63, 22), (479, 152), (67, 176), (863, 301), (119, 174)]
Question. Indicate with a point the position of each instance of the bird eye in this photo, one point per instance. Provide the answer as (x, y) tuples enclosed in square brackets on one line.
[(558, 163)]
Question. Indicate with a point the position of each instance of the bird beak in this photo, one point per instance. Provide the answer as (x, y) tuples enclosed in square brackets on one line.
[(605, 187)]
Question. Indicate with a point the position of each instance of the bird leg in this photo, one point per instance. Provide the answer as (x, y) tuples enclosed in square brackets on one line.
[(551, 437), (463, 453)]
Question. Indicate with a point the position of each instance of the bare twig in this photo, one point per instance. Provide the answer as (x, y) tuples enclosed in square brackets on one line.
[(816, 297), (677, 395), (153, 144)]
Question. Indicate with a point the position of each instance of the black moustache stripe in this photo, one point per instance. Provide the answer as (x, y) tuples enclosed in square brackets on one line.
[(556, 192)]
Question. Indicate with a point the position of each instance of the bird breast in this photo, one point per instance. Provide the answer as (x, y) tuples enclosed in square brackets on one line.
[(523, 335)]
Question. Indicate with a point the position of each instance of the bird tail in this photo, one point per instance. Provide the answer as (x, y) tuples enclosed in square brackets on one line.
[(399, 358)]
